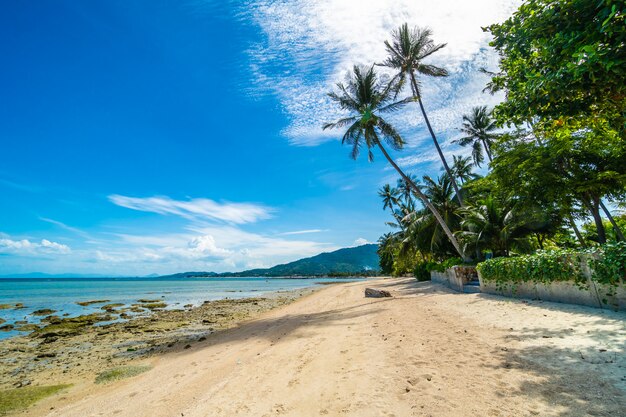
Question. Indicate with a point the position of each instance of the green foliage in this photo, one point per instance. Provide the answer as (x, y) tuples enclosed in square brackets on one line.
[(609, 267), (542, 267), (590, 233), (449, 263), (501, 224), (607, 263), (422, 271), (563, 58), (16, 399)]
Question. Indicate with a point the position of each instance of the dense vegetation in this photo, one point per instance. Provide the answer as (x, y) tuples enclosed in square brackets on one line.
[(547, 169), (607, 265)]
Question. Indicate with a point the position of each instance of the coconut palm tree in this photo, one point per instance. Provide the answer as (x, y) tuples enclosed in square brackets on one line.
[(500, 225), (389, 196), (479, 129), (422, 229), (407, 51), (462, 168), (365, 97), (405, 190)]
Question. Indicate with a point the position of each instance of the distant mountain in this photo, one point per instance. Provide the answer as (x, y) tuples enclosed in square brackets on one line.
[(360, 260), (343, 261)]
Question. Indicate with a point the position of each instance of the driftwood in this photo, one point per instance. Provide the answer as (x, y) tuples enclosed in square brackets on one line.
[(371, 292)]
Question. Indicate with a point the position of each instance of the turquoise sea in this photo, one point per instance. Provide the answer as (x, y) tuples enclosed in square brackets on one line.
[(61, 294)]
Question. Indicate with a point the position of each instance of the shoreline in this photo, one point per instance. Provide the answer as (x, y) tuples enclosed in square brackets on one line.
[(425, 351), (51, 357)]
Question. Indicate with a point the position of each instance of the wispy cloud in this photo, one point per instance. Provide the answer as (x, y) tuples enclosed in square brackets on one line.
[(19, 186), (303, 232), (309, 45), (198, 208), (64, 226)]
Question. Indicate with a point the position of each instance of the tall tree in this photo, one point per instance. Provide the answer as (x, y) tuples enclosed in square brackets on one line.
[(462, 168), (422, 229), (389, 196), (500, 225), (563, 59), (479, 127), (365, 97), (407, 51)]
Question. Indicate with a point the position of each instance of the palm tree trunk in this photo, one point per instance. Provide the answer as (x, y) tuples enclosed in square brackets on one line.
[(618, 231), (579, 236), (426, 202), (594, 208), (487, 150), (432, 134)]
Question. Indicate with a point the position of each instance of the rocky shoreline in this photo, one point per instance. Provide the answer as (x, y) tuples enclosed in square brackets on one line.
[(72, 350)]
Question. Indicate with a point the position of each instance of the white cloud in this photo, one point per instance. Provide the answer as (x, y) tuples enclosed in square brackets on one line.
[(361, 241), (309, 46), (26, 247), (302, 232), (204, 247), (198, 208)]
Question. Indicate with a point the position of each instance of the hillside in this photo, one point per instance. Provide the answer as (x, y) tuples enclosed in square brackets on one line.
[(357, 260), (342, 261)]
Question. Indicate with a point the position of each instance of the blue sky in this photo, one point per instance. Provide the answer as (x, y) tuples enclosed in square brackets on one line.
[(165, 136)]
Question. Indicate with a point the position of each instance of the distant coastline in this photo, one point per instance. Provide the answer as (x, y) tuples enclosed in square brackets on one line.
[(358, 261)]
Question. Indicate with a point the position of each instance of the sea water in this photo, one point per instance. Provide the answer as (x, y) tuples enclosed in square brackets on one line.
[(62, 294)]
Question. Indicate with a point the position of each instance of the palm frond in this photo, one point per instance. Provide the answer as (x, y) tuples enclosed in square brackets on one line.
[(392, 137), (396, 106)]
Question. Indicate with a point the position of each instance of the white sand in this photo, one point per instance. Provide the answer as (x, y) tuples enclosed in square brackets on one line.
[(425, 352)]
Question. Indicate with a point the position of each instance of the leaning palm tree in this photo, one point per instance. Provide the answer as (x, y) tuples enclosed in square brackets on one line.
[(479, 129), (366, 97), (422, 229), (407, 51)]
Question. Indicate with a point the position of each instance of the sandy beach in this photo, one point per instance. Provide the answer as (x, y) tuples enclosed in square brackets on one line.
[(427, 351)]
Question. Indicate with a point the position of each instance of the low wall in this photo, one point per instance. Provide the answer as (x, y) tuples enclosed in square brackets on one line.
[(455, 277), (600, 296)]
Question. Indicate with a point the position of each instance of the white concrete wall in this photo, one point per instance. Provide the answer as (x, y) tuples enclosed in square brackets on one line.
[(562, 292)]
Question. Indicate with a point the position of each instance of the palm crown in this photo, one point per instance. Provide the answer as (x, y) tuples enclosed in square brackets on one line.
[(406, 54), (366, 97), (408, 49), (479, 128)]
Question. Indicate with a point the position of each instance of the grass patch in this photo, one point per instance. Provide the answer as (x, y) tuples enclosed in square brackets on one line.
[(121, 372), (21, 398)]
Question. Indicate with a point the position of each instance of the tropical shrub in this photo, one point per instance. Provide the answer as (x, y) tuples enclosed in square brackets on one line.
[(421, 271), (607, 264), (542, 267)]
